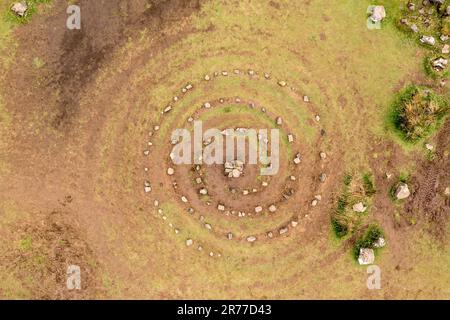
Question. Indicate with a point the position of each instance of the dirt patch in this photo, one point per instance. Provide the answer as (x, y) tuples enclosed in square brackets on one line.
[(43, 252)]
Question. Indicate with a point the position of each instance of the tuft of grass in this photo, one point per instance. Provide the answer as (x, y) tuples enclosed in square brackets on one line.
[(369, 186), (26, 243), (347, 179), (340, 228), (38, 63), (417, 112), (372, 234)]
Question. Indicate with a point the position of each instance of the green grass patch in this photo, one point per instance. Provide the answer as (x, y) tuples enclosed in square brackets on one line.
[(369, 186), (416, 113), (372, 234), (26, 243), (339, 227), (32, 9)]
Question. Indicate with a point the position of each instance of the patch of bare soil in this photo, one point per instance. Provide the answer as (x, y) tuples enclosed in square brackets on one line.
[(429, 183), (44, 250), (45, 119)]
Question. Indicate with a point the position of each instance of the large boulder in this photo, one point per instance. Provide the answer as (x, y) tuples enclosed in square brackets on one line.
[(380, 243), (440, 63), (402, 191), (366, 256), (378, 13), (19, 8), (430, 40), (359, 207)]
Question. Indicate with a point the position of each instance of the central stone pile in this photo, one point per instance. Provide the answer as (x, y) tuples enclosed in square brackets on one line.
[(234, 169)]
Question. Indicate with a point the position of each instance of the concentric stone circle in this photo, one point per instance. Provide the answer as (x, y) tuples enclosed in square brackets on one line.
[(192, 188)]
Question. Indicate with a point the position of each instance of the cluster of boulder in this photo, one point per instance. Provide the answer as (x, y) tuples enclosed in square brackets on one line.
[(439, 63), (367, 255), (234, 168)]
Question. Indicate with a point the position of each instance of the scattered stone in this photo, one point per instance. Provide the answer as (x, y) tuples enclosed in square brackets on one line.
[(156, 203), (366, 256), (270, 234), (388, 175), (279, 121), (221, 207), (147, 189), (251, 239), (323, 177), (305, 98), (234, 169), (208, 226), (402, 191), (282, 83), (245, 192), (207, 77), (272, 208), (317, 118), (323, 155), (283, 230), (189, 242), (314, 203), (184, 199), (156, 128), (207, 105), (440, 63), (225, 73), (359, 207), (190, 210), (237, 71), (293, 178), (167, 109), (380, 243), (19, 8), (294, 224), (170, 171), (411, 6), (428, 40), (297, 160), (203, 191), (290, 138), (251, 72), (447, 191), (258, 209), (414, 28), (446, 49), (318, 197), (198, 180), (443, 37), (230, 236), (264, 184), (378, 13), (160, 211), (429, 146), (146, 152), (267, 76)]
